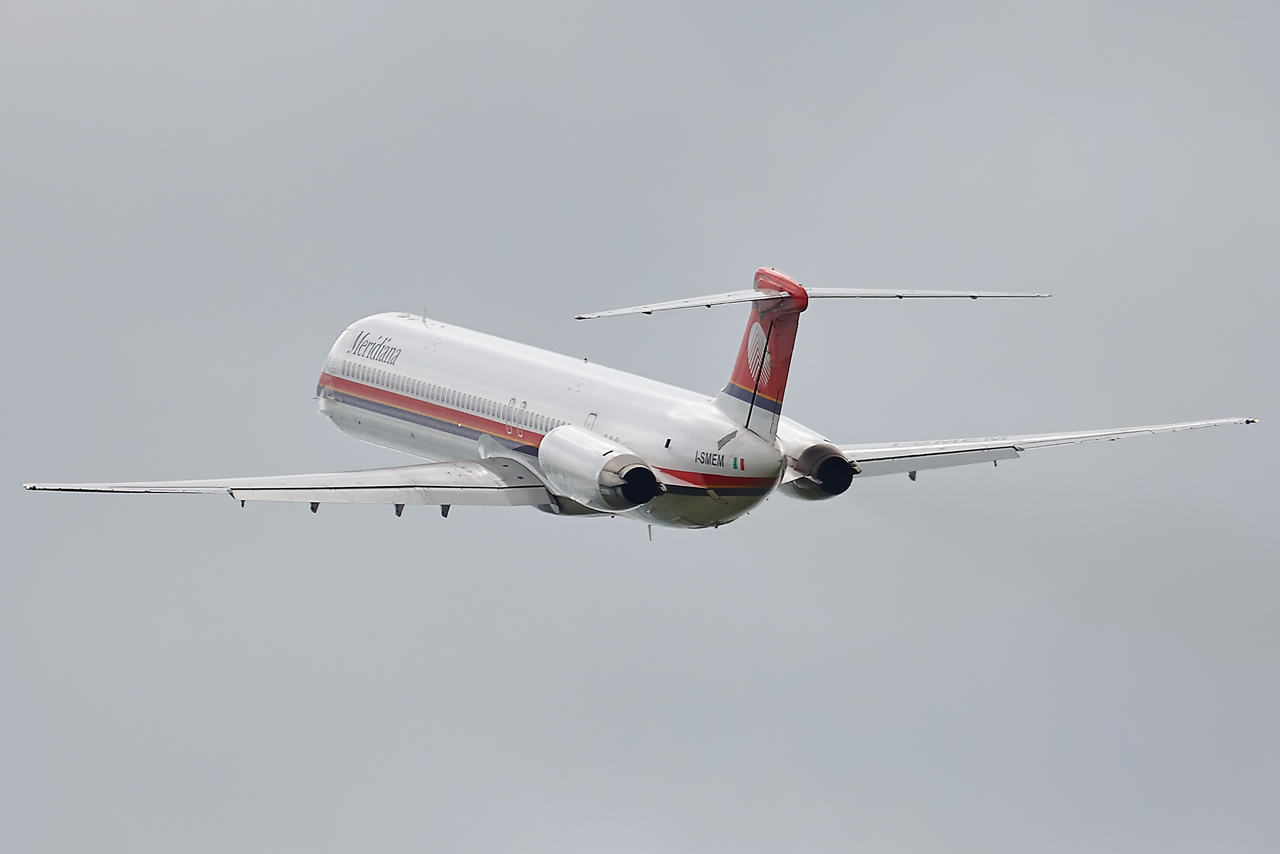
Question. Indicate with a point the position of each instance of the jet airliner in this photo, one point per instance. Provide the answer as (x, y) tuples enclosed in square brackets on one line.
[(503, 423)]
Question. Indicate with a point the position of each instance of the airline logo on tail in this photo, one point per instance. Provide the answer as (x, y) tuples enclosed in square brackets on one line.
[(758, 354)]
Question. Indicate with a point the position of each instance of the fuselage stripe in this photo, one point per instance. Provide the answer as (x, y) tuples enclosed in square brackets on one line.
[(468, 424), (744, 394), (428, 414)]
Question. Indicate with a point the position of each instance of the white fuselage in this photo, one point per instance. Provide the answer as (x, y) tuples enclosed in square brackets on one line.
[(442, 392)]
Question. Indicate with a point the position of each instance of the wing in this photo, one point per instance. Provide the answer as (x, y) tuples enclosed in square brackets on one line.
[(494, 481), (915, 456)]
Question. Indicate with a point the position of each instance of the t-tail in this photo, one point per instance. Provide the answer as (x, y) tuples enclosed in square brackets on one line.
[(753, 396)]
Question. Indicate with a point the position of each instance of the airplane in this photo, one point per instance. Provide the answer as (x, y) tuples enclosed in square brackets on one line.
[(506, 424)]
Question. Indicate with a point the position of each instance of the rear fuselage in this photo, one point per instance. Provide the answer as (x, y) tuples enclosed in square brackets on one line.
[(442, 392)]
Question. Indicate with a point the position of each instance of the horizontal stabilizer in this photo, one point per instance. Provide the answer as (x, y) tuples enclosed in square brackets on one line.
[(814, 293)]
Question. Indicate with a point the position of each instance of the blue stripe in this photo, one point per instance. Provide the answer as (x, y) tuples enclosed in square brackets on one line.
[(737, 391)]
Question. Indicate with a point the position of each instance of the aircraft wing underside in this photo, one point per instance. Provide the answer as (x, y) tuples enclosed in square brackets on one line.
[(900, 457), (498, 482)]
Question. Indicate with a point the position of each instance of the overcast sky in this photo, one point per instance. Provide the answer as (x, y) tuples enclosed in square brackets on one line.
[(1074, 651)]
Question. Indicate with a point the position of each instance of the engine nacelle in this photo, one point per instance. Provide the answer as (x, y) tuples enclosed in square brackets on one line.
[(594, 471), (825, 473)]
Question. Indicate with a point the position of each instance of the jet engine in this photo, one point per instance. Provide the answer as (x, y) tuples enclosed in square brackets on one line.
[(594, 471), (824, 473)]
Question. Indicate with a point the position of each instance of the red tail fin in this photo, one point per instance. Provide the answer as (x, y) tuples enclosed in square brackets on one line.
[(753, 396)]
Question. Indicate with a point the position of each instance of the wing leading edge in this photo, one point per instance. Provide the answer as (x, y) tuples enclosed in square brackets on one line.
[(909, 457), (492, 482)]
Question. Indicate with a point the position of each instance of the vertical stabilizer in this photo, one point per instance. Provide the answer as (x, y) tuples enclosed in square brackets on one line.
[(753, 395)]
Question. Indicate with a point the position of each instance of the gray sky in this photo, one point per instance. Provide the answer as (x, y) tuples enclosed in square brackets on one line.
[(1074, 651)]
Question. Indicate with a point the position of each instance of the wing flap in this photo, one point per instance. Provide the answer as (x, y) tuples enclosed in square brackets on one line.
[(503, 497), (492, 482), (919, 462)]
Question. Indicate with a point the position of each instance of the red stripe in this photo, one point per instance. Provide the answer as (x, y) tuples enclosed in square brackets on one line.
[(498, 428), (714, 480), (431, 410)]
